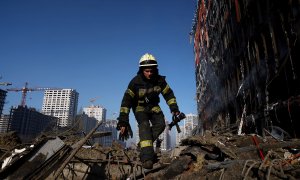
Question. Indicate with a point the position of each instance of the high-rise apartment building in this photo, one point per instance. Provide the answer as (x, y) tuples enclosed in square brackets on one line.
[(62, 104), (189, 123), (97, 112)]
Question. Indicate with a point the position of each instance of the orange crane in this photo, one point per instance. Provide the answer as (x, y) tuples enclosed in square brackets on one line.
[(25, 89)]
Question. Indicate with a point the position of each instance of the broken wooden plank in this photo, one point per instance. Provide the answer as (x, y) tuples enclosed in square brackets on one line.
[(76, 147)]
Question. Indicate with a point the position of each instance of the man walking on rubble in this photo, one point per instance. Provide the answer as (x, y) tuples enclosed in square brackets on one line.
[(142, 95)]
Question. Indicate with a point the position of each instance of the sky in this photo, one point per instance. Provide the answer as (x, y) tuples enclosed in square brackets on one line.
[(94, 46)]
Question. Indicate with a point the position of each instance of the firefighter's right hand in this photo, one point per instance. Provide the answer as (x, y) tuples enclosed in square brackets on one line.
[(125, 130), (125, 133)]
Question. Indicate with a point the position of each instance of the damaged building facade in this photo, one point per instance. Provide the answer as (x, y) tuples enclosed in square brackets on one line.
[(29, 123), (247, 65)]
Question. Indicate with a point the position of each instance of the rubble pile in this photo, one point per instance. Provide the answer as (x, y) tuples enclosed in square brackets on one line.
[(229, 156), (9, 140), (209, 156)]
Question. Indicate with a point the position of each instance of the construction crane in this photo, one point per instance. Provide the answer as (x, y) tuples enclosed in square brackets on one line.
[(25, 89), (5, 83), (92, 100)]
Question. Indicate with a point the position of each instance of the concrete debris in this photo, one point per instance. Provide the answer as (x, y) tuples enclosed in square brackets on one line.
[(177, 150), (10, 158), (9, 141), (211, 156)]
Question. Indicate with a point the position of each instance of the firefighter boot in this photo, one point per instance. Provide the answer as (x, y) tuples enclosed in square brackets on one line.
[(148, 164)]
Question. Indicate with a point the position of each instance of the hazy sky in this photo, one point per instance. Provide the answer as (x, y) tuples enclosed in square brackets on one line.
[(94, 46)]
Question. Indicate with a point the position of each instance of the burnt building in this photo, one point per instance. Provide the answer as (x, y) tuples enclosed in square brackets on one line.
[(247, 65), (28, 123)]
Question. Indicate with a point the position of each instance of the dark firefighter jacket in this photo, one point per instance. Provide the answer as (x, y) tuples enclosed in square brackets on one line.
[(143, 95)]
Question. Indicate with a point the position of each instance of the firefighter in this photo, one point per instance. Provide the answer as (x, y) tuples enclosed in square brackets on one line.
[(142, 96)]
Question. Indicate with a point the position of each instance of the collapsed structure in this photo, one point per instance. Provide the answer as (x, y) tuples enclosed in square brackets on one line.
[(247, 68)]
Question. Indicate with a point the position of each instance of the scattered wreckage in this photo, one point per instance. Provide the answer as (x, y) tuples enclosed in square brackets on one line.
[(208, 156)]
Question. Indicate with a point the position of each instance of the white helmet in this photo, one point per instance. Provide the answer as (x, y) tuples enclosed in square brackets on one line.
[(147, 60)]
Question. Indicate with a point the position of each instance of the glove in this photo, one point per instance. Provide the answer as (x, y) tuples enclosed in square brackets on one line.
[(124, 124), (177, 116)]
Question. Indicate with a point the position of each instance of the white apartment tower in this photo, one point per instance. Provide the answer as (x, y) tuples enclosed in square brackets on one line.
[(62, 104), (189, 123), (97, 112)]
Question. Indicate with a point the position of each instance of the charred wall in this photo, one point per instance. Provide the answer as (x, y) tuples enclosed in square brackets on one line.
[(247, 64)]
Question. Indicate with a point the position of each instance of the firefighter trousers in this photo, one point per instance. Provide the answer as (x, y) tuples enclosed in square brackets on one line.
[(150, 125)]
